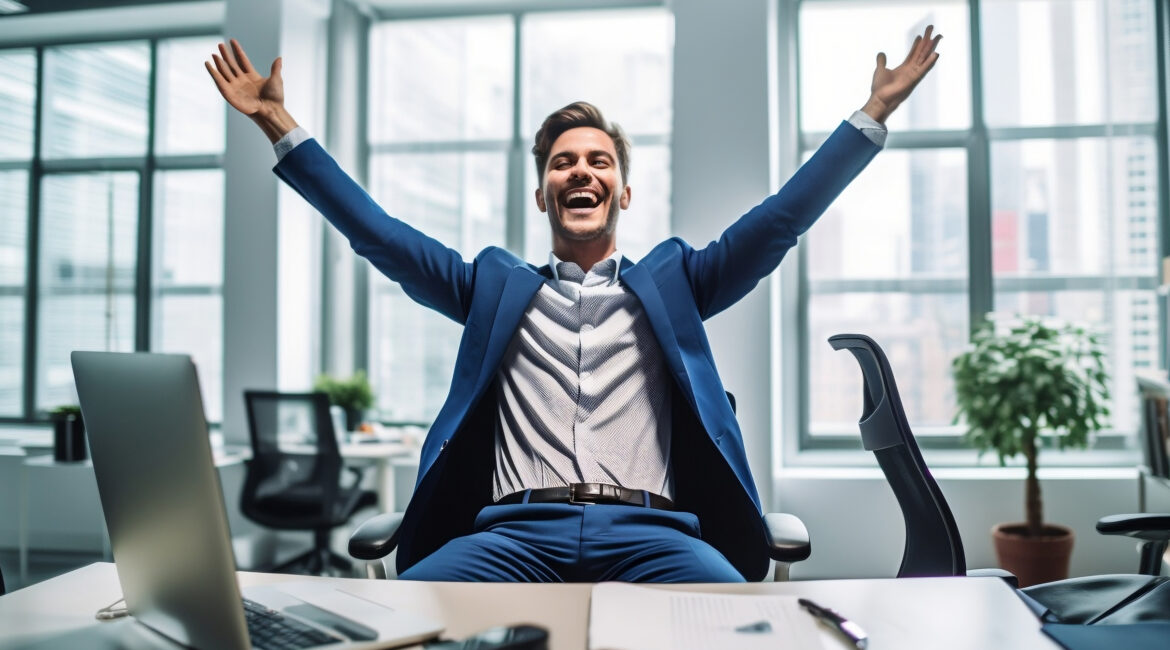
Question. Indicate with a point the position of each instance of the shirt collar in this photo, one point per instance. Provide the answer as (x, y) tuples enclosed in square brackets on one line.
[(603, 267)]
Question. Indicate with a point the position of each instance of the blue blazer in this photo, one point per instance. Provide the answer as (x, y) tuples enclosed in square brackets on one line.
[(679, 288)]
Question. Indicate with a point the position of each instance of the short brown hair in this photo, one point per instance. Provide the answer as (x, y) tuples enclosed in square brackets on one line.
[(576, 115)]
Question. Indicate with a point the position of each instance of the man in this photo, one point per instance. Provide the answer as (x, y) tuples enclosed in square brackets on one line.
[(586, 435)]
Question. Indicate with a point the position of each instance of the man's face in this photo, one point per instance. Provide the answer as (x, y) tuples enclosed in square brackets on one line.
[(582, 190)]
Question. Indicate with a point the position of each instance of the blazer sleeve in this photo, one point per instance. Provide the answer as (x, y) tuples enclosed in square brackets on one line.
[(751, 248), (428, 271)]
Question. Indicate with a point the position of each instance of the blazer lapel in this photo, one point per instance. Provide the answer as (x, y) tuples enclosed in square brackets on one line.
[(521, 285), (642, 284)]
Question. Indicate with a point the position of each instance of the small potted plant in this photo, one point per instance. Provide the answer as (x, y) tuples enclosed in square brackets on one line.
[(68, 434), (1021, 384), (353, 395)]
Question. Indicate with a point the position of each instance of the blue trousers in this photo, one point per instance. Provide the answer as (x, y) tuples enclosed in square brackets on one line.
[(562, 542)]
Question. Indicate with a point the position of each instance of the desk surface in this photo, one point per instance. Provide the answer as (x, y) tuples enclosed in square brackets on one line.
[(902, 614)]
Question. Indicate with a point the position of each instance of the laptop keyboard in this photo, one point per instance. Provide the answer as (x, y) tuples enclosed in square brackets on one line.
[(268, 628)]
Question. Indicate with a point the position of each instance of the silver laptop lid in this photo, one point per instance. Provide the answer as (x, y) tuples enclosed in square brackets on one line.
[(161, 495)]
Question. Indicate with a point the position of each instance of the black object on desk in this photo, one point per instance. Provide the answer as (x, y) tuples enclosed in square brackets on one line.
[(512, 637), (843, 626)]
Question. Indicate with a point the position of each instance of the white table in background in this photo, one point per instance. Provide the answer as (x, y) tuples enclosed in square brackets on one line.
[(47, 463)]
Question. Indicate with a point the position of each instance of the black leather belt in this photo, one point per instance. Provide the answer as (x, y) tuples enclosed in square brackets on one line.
[(590, 493)]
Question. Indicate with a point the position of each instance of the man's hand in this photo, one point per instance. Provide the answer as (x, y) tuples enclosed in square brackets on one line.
[(260, 98), (891, 87)]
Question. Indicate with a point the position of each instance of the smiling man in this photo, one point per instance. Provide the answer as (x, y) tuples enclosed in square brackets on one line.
[(586, 435)]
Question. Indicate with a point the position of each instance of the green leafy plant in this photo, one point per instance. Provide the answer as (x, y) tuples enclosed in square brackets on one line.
[(352, 394), (1025, 377), (65, 410)]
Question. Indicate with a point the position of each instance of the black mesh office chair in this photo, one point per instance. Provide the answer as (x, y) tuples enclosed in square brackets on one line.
[(294, 477), (933, 546), (786, 539)]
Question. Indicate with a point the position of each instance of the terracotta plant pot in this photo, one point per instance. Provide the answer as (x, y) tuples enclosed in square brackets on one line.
[(1034, 560)]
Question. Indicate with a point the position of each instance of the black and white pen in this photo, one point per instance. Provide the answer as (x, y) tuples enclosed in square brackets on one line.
[(842, 625)]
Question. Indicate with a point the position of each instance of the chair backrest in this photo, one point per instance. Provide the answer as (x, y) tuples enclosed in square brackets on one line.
[(290, 423), (295, 456), (1154, 389), (933, 546)]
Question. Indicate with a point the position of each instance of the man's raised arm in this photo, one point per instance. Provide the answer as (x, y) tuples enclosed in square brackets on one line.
[(260, 98)]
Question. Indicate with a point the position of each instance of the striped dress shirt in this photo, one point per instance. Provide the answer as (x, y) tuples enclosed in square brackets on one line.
[(583, 389)]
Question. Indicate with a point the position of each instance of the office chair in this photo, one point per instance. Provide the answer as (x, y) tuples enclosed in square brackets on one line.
[(785, 537), (933, 546), (293, 480), (2, 591)]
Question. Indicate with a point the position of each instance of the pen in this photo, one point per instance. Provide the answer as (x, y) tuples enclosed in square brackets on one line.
[(842, 625)]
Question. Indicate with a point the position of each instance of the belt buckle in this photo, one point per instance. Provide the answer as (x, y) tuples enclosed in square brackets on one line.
[(573, 496)]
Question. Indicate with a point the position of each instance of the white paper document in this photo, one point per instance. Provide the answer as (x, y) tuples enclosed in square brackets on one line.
[(631, 617)]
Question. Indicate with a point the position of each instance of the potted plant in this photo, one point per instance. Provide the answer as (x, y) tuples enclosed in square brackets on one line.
[(354, 395), (68, 434), (1019, 381)]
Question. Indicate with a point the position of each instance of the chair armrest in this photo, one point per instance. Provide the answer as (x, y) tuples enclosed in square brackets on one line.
[(1144, 526), (787, 537), (376, 537), (359, 473), (1006, 576)]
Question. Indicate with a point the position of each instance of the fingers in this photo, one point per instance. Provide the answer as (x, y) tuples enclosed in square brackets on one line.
[(925, 45), (912, 54), (218, 78), (230, 61), (276, 66), (933, 44), (930, 62), (881, 60), (222, 67), (241, 57)]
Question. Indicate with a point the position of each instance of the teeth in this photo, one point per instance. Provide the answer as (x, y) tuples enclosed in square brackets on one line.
[(578, 195)]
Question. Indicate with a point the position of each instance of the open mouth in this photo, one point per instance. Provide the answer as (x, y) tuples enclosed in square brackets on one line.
[(580, 199)]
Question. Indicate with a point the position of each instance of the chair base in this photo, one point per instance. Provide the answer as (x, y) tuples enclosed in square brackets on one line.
[(315, 561)]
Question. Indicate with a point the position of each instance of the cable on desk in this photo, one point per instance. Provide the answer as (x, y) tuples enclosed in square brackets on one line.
[(112, 611)]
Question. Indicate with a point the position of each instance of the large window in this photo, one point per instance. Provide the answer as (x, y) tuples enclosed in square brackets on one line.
[(1031, 190), (454, 104), (111, 214)]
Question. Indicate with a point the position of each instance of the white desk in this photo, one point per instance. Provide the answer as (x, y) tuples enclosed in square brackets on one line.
[(905, 614)]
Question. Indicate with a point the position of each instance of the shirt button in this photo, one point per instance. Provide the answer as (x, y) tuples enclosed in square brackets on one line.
[(586, 374), (586, 328)]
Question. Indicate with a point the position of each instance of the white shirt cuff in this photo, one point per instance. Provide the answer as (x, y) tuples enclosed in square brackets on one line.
[(869, 127), (291, 140)]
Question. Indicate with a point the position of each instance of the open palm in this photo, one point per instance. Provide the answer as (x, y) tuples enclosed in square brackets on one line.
[(241, 85), (892, 87)]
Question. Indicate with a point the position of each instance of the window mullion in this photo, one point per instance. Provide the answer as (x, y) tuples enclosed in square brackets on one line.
[(981, 298), (143, 279), (1162, 45), (514, 226), (32, 274)]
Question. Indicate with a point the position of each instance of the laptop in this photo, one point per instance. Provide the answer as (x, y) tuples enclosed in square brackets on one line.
[(168, 527)]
